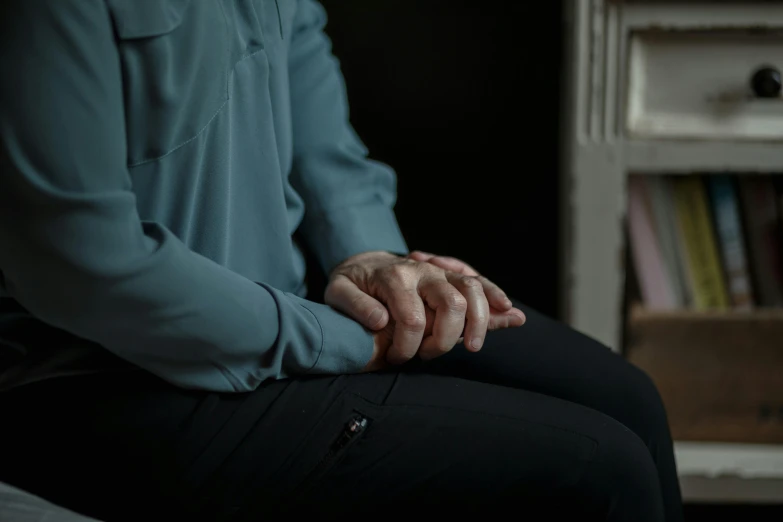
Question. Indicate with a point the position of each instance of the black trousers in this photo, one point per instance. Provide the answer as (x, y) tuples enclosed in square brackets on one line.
[(542, 419)]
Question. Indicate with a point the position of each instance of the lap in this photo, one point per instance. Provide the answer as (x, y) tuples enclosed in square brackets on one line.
[(550, 358), (436, 441), (521, 417)]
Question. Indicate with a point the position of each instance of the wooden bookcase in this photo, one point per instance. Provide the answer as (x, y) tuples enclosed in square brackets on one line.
[(661, 88)]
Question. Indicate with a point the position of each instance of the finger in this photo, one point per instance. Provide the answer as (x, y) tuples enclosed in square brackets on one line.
[(418, 255), (429, 313), (497, 298), (477, 315), (453, 265), (407, 310), (343, 295), (450, 307), (499, 320), (381, 341)]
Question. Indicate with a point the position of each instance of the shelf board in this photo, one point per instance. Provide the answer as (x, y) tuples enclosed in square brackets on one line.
[(731, 490), (714, 459), (685, 157), (717, 472), (640, 314)]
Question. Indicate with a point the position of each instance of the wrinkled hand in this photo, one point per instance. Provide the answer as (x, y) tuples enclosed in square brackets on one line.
[(497, 298), (413, 292)]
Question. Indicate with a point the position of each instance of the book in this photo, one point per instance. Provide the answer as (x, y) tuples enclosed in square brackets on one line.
[(662, 206), (762, 225), (698, 239), (732, 241), (654, 281)]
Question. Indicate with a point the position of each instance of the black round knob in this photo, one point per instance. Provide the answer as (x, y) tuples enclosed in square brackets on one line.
[(766, 82)]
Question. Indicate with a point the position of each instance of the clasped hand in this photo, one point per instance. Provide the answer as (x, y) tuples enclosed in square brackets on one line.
[(421, 304)]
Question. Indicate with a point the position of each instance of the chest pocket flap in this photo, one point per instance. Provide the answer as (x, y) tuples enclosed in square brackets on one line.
[(174, 56), (146, 18)]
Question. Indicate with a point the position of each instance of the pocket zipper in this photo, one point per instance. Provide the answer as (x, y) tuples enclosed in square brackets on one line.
[(345, 440)]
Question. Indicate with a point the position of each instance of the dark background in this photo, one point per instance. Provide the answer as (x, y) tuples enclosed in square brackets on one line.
[(462, 98)]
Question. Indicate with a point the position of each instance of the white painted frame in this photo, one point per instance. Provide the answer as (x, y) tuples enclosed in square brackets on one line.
[(598, 157)]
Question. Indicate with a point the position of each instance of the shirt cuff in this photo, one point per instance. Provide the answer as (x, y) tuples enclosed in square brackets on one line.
[(346, 346)]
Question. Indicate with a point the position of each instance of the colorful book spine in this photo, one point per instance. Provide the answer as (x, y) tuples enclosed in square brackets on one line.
[(764, 238), (662, 206), (698, 238), (654, 281), (732, 241)]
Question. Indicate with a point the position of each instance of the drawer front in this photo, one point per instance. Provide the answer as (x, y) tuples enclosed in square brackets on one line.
[(699, 85)]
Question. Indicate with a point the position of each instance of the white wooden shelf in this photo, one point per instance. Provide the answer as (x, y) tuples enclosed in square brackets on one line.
[(686, 157), (730, 472), (600, 154)]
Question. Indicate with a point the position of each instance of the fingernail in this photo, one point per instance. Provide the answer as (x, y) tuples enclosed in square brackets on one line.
[(507, 301), (375, 317), (521, 317), (476, 343)]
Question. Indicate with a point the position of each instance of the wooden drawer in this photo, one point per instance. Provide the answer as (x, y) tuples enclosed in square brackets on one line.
[(720, 373), (698, 84)]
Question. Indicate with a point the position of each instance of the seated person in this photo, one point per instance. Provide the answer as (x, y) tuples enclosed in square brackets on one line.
[(163, 164)]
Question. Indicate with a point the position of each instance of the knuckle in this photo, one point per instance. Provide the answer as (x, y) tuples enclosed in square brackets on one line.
[(399, 271), (435, 269), (412, 320), (480, 317), (471, 283), (456, 302), (429, 268)]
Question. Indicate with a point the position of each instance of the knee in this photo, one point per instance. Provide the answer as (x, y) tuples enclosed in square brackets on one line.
[(643, 408), (623, 477), (626, 456), (643, 390)]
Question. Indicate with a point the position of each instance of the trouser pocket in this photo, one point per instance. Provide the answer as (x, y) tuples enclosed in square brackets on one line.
[(350, 418), (352, 431), (331, 438)]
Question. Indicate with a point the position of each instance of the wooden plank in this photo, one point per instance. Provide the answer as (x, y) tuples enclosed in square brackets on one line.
[(720, 373), (685, 157), (731, 490)]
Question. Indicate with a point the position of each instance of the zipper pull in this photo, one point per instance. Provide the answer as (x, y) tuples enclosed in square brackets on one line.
[(354, 427), (357, 425)]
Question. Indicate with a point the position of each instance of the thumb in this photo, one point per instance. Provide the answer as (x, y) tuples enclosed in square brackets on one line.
[(343, 295)]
